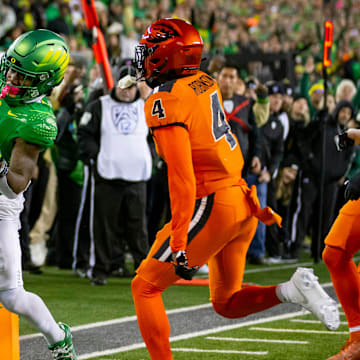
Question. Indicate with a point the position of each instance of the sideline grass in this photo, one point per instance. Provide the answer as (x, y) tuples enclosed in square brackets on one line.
[(320, 346), (73, 300)]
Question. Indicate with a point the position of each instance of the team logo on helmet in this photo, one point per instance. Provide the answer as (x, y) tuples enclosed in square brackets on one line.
[(160, 33)]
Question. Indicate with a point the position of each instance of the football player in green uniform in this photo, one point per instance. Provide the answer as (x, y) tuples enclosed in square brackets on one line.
[(34, 63)]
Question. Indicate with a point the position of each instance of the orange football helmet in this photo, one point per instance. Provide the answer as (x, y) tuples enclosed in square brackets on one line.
[(168, 48)]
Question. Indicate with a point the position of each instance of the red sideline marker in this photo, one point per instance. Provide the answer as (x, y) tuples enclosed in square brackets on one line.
[(328, 41)]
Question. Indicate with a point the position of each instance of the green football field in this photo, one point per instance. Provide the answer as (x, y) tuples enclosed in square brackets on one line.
[(278, 339), (295, 335)]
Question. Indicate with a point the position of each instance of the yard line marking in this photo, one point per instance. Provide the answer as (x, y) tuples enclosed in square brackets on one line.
[(314, 321), (301, 331), (196, 334), (132, 318), (258, 340), (220, 351)]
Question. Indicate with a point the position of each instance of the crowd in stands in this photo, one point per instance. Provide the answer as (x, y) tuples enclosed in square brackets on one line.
[(275, 48)]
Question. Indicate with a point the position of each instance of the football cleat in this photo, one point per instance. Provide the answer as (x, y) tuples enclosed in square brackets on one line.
[(304, 289), (64, 349), (350, 351)]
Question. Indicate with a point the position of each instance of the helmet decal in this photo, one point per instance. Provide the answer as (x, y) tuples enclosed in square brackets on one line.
[(161, 34)]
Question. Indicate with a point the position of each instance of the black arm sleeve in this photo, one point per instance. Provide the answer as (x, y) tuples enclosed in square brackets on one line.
[(89, 132), (255, 138)]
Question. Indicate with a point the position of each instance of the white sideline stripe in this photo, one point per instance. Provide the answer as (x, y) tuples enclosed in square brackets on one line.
[(258, 340), (131, 318), (301, 331), (196, 334), (270, 268), (121, 320), (221, 351), (274, 268), (314, 321), (287, 266)]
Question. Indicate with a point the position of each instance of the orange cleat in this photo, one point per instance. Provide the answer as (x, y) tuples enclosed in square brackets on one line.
[(350, 351)]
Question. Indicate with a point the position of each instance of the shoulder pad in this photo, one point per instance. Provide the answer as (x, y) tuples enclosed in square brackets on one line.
[(40, 127), (164, 109)]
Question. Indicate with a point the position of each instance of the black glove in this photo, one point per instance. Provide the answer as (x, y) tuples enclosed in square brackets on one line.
[(352, 189), (181, 266), (342, 141)]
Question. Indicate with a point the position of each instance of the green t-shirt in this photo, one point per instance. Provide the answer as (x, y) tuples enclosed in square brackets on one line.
[(34, 122)]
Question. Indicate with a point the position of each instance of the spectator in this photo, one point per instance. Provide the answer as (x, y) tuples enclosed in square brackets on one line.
[(69, 167), (7, 19), (240, 115), (308, 180), (299, 118), (272, 153), (346, 90), (112, 134)]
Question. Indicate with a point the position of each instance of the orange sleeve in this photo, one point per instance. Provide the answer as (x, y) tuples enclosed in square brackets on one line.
[(173, 144)]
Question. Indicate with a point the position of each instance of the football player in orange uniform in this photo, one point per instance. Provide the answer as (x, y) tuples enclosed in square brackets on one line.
[(214, 213), (342, 243)]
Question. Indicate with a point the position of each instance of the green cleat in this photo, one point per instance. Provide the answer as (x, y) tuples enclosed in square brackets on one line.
[(64, 350)]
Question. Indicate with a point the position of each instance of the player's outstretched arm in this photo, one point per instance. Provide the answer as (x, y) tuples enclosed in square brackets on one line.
[(23, 162)]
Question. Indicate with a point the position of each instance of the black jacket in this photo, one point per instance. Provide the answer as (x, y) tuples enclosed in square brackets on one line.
[(273, 144), (307, 152), (243, 125)]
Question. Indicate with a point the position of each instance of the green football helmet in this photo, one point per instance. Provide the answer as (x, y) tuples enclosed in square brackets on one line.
[(40, 56)]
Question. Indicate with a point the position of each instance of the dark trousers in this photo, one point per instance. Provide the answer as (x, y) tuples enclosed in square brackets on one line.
[(69, 195), (119, 219), (305, 210), (159, 203)]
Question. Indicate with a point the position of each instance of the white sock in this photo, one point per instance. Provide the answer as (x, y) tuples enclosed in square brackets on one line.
[(33, 309), (282, 291)]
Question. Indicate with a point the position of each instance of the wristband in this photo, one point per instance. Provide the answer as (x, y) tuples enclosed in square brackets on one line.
[(4, 168)]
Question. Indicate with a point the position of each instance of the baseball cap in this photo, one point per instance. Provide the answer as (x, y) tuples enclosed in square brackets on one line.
[(318, 87), (274, 88)]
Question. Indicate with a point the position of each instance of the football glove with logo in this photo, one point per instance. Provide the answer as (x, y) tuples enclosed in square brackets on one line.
[(181, 266)]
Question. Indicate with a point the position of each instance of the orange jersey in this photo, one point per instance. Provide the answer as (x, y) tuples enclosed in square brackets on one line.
[(192, 135), (195, 103)]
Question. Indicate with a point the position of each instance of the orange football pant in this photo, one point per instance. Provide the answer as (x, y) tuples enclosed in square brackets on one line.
[(220, 233), (342, 242)]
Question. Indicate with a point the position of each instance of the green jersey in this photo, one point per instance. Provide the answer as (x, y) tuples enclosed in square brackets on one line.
[(34, 122)]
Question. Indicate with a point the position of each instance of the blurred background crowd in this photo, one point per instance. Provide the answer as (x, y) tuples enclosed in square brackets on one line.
[(266, 55)]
